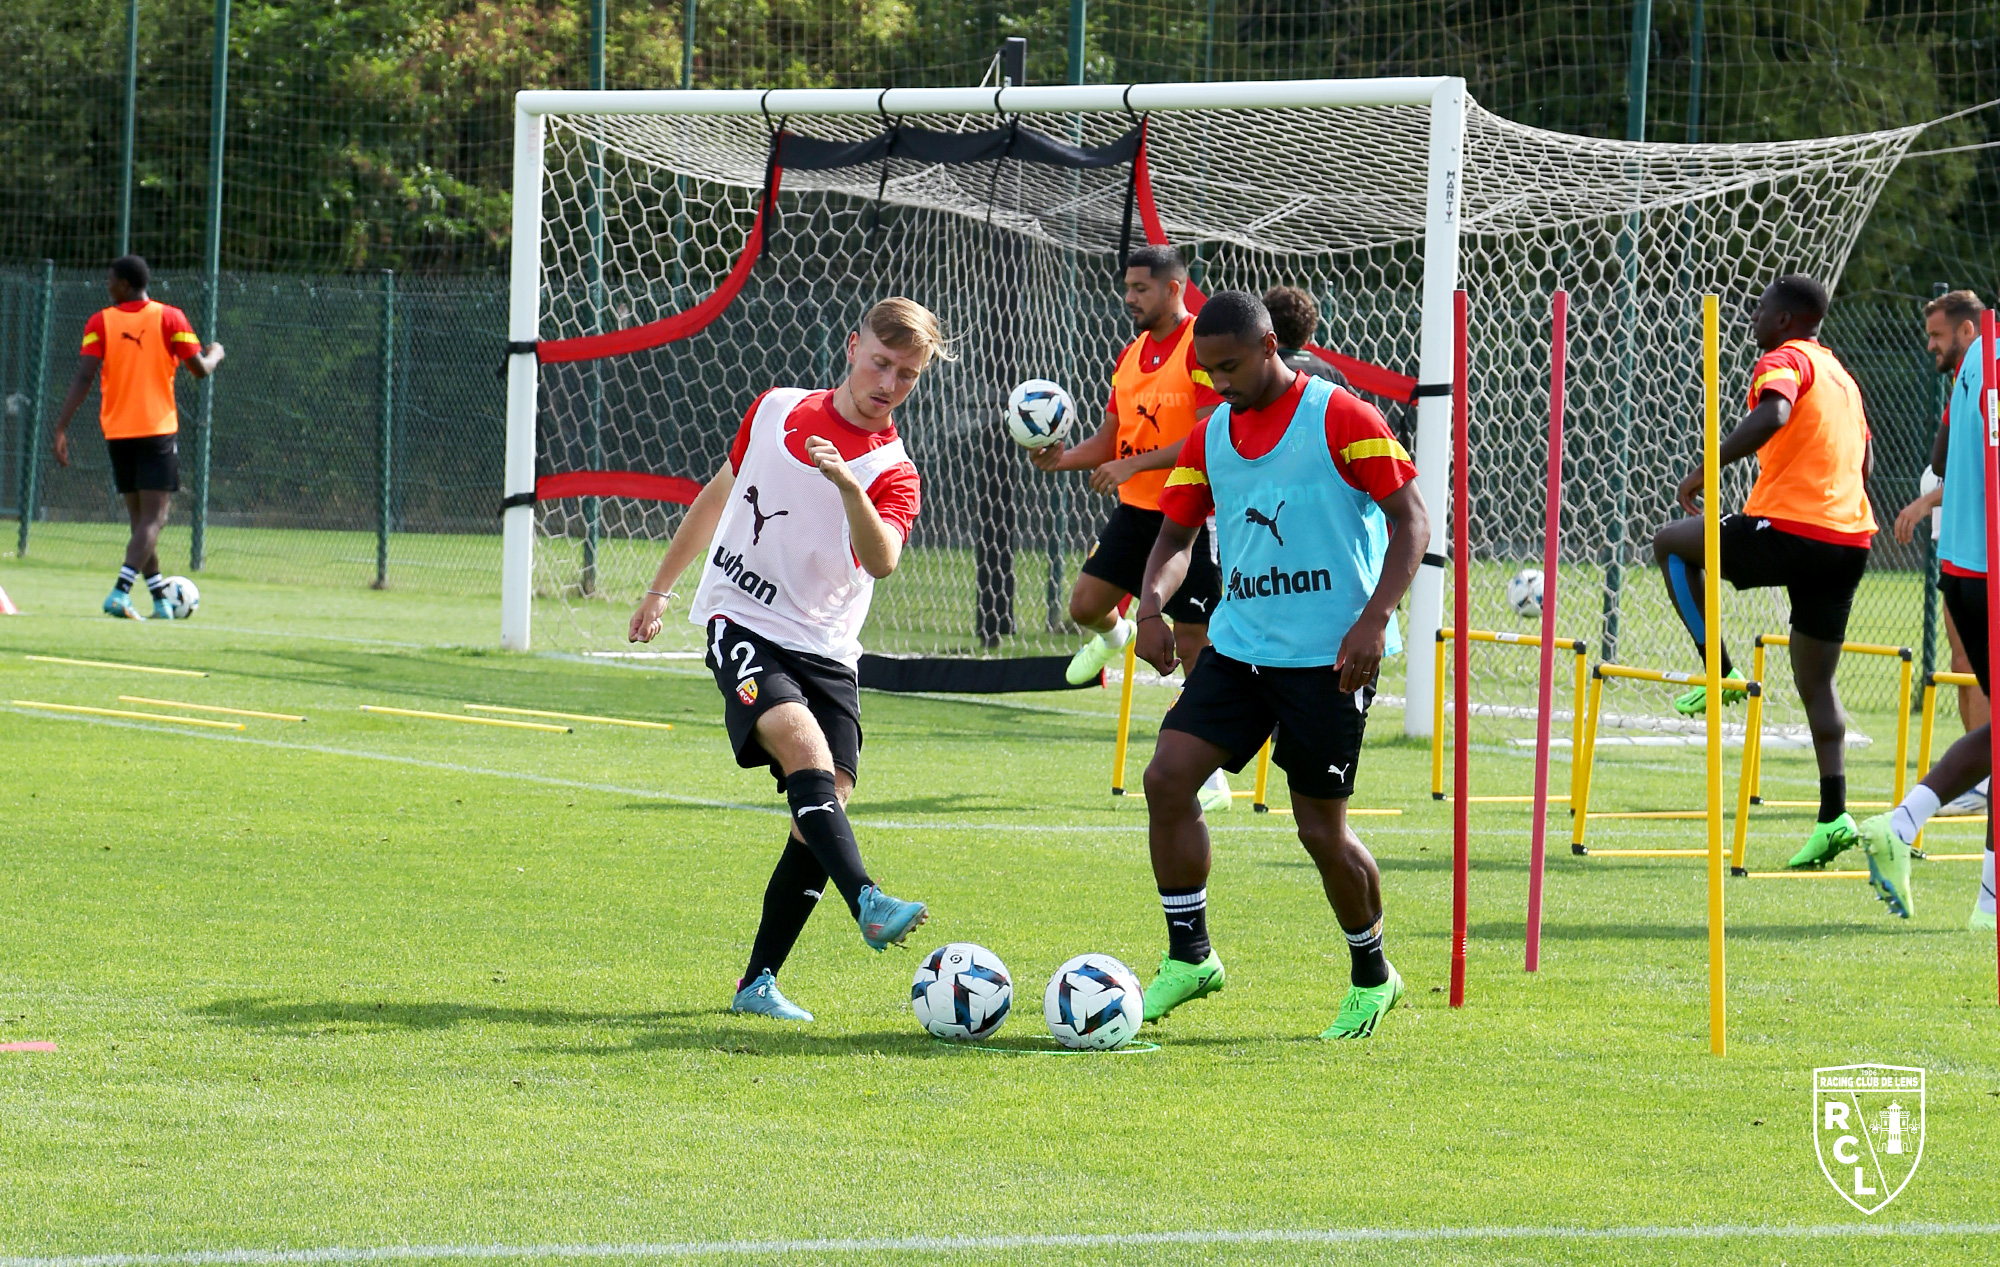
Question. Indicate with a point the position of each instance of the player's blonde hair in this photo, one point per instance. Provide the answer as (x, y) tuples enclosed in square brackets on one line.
[(904, 323)]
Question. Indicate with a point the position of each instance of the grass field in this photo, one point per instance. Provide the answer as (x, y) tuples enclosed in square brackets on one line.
[(366, 982)]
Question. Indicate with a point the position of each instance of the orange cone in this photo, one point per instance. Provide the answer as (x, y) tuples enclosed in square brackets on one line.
[(7, 607)]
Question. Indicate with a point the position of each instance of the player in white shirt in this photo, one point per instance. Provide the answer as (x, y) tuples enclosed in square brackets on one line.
[(812, 508)]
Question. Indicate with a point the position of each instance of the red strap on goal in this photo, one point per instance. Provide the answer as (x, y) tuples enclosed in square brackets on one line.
[(590, 347), (635, 484)]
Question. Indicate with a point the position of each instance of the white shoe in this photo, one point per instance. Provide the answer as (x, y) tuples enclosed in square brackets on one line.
[(1215, 796), (1969, 803)]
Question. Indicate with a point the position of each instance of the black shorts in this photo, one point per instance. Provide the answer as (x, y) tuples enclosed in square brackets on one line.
[(1819, 576), (755, 675), (1965, 598), (1125, 542), (1236, 706), (146, 464)]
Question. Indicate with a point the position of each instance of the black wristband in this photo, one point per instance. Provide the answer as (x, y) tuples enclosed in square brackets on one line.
[(1155, 616)]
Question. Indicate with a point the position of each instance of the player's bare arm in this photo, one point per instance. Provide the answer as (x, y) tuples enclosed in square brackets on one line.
[(878, 546), (80, 383), (1108, 477), (1916, 512), (1360, 654), (689, 543), (1753, 433), (1166, 568)]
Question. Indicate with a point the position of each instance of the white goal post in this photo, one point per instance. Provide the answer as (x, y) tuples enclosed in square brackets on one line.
[(1058, 109)]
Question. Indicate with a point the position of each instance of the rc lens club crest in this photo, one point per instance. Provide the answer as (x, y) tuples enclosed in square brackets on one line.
[(1868, 1129)]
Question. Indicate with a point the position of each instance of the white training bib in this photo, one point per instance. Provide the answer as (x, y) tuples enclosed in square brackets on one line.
[(782, 561)]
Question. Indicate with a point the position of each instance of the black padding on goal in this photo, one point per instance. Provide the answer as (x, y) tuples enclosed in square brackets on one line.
[(920, 145), (947, 675)]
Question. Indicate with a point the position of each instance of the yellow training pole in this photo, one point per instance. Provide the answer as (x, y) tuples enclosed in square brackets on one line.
[(589, 717), (1902, 728), (122, 712), (1753, 760), (1576, 718), (1259, 804), (1124, 716), (1711, 553), (1753, 766), (1437, 720), (1580, 806), (114, 664), (209, 708), (463, 721)]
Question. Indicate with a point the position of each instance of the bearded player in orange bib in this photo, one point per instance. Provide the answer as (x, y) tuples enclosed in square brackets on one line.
[(131, 351)]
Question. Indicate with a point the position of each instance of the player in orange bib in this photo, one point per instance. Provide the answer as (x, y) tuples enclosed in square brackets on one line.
[(1158, 394), (1806, 526), (131, 350)]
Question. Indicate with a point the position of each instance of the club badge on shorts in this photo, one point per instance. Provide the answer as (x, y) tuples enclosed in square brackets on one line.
[(1868, 1129), (746, 690)]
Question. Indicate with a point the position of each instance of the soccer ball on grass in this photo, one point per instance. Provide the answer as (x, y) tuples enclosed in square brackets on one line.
[(962, 992), (182, 597), (1524, 593), (1094, 1002)]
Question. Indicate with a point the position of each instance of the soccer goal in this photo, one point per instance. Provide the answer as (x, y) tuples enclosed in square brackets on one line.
[(692, 248)]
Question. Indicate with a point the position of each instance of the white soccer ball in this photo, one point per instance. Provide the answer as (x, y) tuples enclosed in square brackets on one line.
[(182, 597), (1039, 413), (1095, 1002), (962, 992), (1524, 593)]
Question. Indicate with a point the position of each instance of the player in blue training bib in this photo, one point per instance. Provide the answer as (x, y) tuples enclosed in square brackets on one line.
[(1319, 529)]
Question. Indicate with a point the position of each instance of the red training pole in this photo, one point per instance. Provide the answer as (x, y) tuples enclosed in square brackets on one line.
[(1551, 534), (1461, 652), (1990, 394)]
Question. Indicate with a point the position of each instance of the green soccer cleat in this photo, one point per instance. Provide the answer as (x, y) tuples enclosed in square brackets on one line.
[(1827, 842), (1695, 702), (119, 603), (1177, 983), (1090, 661), (1888, 865), (761, 998), (885, 921), (1363, 1008)]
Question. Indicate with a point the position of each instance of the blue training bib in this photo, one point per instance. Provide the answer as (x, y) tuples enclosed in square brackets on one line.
[(1300, 548)]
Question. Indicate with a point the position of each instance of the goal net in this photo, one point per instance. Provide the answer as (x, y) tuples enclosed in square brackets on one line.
[(698, 247)]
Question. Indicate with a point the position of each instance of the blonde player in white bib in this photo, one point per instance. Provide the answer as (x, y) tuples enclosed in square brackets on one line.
[(812, 508)]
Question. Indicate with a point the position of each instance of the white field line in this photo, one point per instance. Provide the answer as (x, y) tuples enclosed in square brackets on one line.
[(937, 1245), (678, 798)]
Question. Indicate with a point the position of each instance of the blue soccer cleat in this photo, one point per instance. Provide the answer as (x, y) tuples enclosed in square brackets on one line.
[(884, 921), (761, 998), (119, 603), (162, 610)]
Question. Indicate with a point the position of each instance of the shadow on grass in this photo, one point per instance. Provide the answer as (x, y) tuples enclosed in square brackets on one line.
[(292, 1017)]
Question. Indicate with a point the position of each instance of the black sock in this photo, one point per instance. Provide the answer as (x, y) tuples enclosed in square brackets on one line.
[(789, 901), (1832, 797), (817, 813), (157, 585), (1371, 966), (126, 579), (1187, 923)]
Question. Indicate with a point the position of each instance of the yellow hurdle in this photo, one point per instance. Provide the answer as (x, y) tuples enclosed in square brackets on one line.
[(1929, 706), (1586, 761), (1576, 647), (1753, 743)]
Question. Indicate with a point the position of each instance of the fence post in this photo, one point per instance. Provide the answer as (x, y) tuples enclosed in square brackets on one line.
[(211, 282), (31, 420), (385, 426), (131, 112)]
